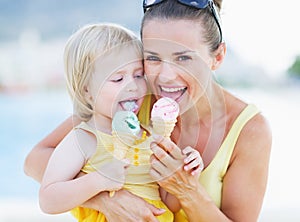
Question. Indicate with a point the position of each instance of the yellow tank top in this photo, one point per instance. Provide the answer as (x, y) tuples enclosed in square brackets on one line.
[(212, 176)]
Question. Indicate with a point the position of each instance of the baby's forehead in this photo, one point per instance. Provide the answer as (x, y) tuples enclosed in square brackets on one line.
[(117, 60)]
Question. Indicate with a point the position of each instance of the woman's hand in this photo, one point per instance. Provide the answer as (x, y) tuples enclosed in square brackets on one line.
[(124, 206), (173, 168)]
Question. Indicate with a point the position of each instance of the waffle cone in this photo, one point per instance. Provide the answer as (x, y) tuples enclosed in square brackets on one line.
[(121, 142), (163, 128)]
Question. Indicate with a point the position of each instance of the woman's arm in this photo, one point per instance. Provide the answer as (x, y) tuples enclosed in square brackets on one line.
[(126, 207), (170, 200), (244, 184), (36, 161)]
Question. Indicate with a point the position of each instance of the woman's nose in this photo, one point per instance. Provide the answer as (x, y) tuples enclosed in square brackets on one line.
[(167, 72)]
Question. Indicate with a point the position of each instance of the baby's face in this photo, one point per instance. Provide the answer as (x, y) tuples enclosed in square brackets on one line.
[(118, 82)]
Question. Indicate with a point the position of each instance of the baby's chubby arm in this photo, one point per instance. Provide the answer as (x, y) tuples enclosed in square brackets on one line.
[(37, 159), (59, 192)]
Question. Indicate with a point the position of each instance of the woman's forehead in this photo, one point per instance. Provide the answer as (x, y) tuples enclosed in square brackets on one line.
[(179, 34)]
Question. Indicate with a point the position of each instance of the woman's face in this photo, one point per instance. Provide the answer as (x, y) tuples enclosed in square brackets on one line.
[(177, 61)]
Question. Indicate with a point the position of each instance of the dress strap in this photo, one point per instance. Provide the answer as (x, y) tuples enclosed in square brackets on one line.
[(230, 141), (86, 127)]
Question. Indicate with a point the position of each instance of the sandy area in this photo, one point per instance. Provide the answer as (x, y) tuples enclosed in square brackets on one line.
[(24, 210)]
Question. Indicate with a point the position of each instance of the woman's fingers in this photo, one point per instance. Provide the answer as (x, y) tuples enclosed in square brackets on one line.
[(159, 167), (168, 146), (165, 163), (154, 174)]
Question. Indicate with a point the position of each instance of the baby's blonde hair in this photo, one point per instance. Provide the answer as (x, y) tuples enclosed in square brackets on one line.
[(81, 51)]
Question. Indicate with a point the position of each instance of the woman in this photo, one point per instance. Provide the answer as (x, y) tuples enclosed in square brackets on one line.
[(183, 45)]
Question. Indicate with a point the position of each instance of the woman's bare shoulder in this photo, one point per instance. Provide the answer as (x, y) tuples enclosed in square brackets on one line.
[(256, 135), (255, 139)]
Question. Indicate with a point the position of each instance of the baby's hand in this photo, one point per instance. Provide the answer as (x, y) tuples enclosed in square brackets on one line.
[(114, 173), (193, 161)]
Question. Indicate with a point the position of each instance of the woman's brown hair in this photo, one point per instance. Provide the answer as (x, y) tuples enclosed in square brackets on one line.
[(172, 9)]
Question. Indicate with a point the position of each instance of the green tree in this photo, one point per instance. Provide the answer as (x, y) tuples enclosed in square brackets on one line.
[(294, 70)]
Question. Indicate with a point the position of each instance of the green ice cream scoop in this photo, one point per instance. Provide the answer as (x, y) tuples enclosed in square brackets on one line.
[(126, 122)]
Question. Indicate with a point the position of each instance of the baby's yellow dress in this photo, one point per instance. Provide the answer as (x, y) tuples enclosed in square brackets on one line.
[(138, 180)]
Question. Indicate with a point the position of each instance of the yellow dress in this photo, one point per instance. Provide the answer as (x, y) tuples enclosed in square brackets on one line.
[(138, 180), (212, 176)]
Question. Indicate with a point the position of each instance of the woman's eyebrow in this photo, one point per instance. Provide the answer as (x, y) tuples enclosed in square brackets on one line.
[(175, 53), (150, 52), (183, 52)]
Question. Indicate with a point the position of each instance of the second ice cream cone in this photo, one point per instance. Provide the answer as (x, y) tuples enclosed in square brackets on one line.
[(163, 128)]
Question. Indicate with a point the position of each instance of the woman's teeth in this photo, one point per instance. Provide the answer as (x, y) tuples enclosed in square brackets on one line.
[(171, 90)]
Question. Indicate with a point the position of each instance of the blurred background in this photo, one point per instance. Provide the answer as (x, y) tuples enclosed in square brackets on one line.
[(262, 67)]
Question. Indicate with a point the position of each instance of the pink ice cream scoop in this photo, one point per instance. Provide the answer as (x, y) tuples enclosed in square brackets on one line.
[(164, 116), (165, 108)]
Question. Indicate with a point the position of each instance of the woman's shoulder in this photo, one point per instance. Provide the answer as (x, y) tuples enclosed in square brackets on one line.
[(256, 134), (257, 131), (255, 139), (256, 125)]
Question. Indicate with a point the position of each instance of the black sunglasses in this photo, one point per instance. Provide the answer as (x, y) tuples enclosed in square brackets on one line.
[(198, 4)]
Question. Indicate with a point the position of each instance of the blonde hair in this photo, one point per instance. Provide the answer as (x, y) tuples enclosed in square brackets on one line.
[(81, 51)]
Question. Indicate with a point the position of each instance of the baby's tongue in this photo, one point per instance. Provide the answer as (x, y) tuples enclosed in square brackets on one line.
[(130, 106)]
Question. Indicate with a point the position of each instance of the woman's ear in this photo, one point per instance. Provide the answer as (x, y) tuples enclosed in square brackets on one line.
[(219, 56)]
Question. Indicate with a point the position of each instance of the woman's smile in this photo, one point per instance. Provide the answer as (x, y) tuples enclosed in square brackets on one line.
[(175, 93)]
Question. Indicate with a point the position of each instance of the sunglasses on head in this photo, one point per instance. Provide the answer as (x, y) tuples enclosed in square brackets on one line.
[(198, 4)]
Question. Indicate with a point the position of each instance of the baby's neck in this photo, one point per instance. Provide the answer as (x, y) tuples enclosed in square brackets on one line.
[(101, 124)]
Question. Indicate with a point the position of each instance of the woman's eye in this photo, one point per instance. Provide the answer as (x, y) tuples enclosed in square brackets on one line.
[(152, 58), (183, 58)]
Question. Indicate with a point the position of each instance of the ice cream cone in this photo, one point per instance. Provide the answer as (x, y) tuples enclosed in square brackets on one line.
[(125, 127), (163, 128), (122, 142), (164, 116)]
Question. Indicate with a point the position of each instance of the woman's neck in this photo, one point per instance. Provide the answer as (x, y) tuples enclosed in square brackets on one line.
[(208, 108), (203, 126)]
